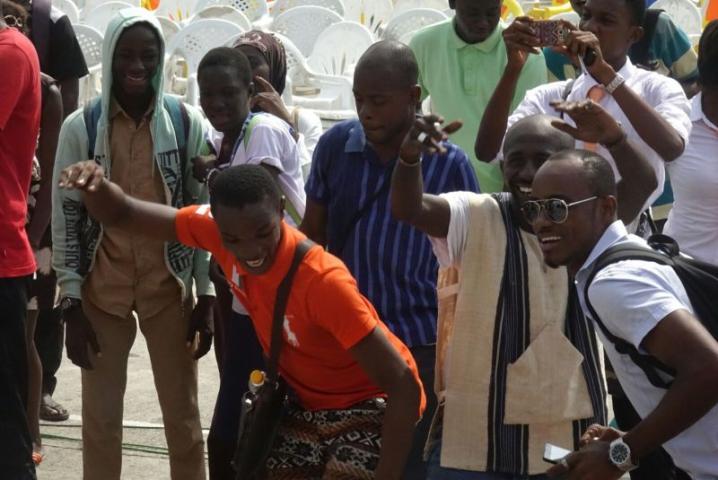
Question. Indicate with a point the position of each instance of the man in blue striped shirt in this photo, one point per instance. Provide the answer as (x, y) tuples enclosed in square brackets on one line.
[(349, 211)]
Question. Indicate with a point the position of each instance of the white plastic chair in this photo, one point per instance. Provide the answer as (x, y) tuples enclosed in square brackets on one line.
[(401, 6), (281, 6), (255, 10), (69, 8), (571, 17), (192, 43), (302, 25), (329, 96), (90, 40), (225, 12), (170, 28), (373, 14), (683, 13), (338, 48), (100, 16), (176, 10), (403, 26)]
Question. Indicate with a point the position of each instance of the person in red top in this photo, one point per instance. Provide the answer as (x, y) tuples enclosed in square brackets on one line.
[(19, 124), (340, 361)]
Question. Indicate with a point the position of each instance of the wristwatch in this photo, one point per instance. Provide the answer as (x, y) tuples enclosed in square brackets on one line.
[(620, 455), (615, 83), (68, 303)]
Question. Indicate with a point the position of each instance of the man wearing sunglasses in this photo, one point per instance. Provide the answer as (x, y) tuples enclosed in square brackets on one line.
[(19, 124), (517, 364), (641, 302)]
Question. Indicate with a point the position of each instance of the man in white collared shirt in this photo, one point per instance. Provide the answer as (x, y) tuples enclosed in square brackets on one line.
[(653, 109), (641, 302)]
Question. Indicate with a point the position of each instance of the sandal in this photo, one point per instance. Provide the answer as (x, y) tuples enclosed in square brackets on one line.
[(51, 411)]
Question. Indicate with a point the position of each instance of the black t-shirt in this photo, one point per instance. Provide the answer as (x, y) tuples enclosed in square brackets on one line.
[(64, 55)]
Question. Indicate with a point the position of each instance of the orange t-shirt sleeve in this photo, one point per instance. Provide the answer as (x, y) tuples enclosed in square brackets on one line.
[(338, 307), (196, 228)]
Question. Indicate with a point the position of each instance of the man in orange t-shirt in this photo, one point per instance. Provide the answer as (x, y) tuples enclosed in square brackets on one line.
[(339, 359)]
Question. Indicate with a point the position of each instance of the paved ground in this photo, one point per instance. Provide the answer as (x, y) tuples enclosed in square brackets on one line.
[(145, 447)]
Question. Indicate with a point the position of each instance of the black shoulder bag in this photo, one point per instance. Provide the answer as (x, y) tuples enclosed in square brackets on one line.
[(262, 410)]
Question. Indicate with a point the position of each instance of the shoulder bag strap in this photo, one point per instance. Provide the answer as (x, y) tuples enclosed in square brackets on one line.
[(280, 306)]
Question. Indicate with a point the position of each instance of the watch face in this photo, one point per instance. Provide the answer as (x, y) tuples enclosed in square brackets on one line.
[(620, 454)]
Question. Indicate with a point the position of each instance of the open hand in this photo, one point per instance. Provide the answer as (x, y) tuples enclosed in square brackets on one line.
[(426, 136), (199, 333), (85, 176), (589, 463), (79, 338), (593, 123), (521, 41)]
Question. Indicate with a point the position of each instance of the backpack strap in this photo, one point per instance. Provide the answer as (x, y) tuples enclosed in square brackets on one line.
[(40, 32), (180, 123), (640, 51), (91, 114), (647, 363)]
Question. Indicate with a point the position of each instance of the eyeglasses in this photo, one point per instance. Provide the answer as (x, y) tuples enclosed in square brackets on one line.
[(13, 21), (556, 209)]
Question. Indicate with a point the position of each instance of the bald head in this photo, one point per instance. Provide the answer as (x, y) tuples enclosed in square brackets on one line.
[(391, 61), (537, 128)]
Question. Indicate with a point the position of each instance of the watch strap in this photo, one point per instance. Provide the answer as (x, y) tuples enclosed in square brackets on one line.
[(615, 83)]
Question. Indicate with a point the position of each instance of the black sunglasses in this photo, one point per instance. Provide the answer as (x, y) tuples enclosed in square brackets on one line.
[(556, 209), (13, 21)]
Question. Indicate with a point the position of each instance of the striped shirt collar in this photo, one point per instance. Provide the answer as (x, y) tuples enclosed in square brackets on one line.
[(356, 141)]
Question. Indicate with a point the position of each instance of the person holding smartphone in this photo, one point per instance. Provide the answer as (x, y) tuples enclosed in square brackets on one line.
[(652, 108)]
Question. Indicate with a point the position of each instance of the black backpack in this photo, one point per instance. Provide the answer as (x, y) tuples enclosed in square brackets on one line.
[(700, 280)]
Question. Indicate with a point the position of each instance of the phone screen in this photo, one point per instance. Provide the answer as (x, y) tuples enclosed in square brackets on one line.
[(553, 454)]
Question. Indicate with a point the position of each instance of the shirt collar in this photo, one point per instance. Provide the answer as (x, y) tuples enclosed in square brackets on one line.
[(615, 232), (486, 46), (697, 114), (356, 143)]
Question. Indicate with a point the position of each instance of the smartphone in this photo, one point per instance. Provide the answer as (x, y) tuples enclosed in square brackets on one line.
[(550, 32), (554, 454)]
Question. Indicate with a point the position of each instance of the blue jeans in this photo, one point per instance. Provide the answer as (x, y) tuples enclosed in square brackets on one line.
[(437, 472)]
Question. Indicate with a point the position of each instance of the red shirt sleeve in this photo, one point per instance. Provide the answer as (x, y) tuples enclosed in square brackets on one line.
[(337, 306), (195, 227), (12, 80)]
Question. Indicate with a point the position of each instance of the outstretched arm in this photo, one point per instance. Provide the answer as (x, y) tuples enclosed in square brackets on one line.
[(429, 213), (595, 125), (109, 205), (521, 41)]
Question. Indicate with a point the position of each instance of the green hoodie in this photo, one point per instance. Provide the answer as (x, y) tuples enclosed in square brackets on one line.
[(75, 234)]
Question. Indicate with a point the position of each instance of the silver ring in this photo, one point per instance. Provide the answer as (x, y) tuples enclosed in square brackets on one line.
[(564, 463), (421, 137)]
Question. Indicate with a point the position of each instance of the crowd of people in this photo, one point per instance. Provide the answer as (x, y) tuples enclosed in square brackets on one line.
[(450, 312)]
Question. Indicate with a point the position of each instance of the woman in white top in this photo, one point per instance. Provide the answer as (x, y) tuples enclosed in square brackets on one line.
[(269, 67), (693, 221)]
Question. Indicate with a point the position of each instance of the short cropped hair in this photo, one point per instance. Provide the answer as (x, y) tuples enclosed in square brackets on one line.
[(708, 56), (242, 185), (393, 57), (598, 173), (228, 57)]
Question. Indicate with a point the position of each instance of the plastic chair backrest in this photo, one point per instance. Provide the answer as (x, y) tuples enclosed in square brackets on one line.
[(175, 10), (69, 8), (253, 9), (302, 25), (403, 26), (401, 6), (225, 12), (199, 37), (373, 14), (338, 48), (170, 28), (100, 16), (281, 6), (683, 13), (90, 40)]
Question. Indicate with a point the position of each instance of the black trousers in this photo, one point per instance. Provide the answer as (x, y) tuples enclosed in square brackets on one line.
[(15, 443), (655, 466), (425, 357), (49, 340)]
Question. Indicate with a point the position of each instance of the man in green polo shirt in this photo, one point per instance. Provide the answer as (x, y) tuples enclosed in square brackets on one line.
[(460, 64)]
